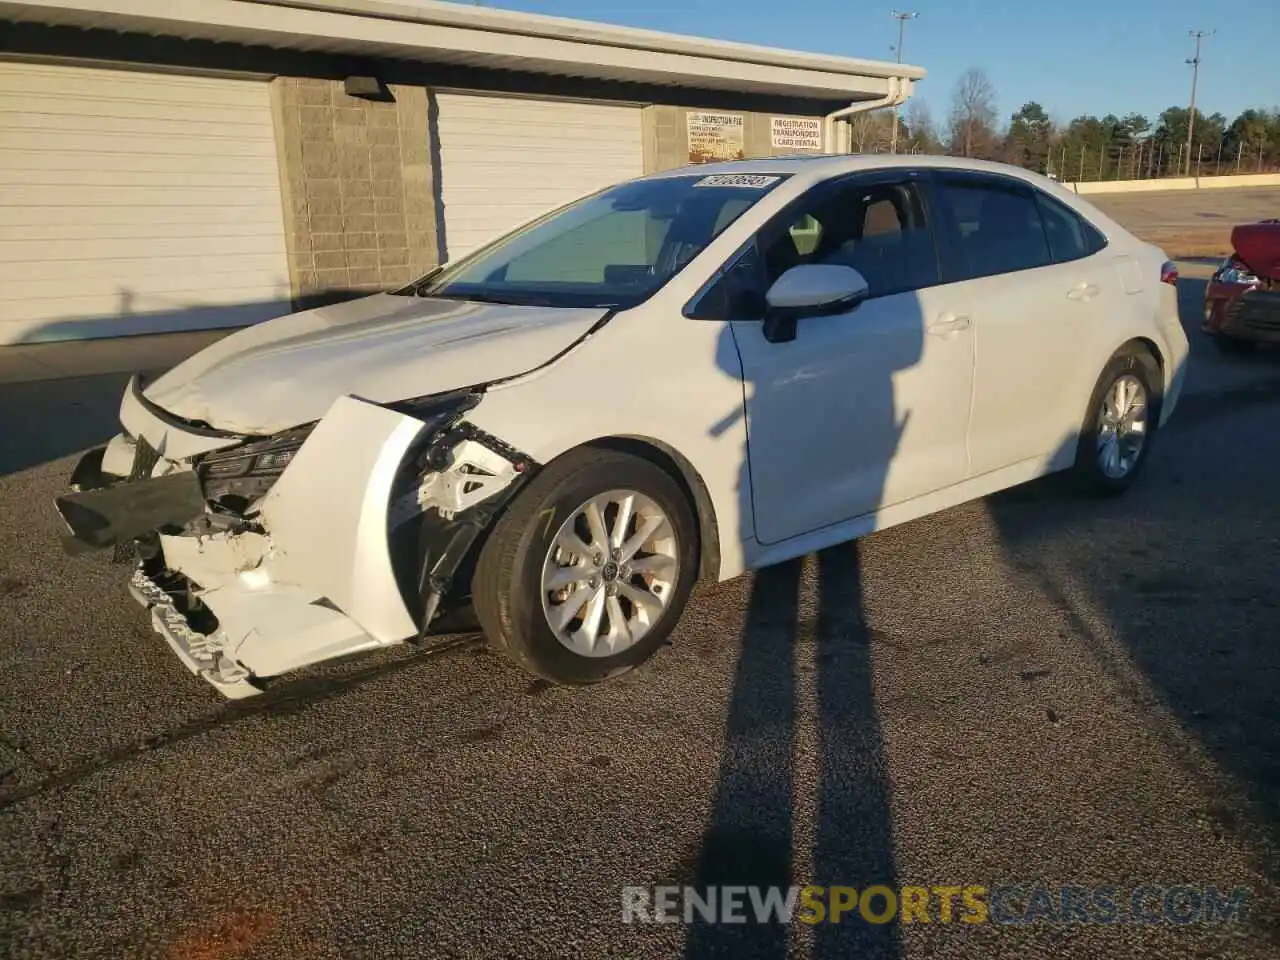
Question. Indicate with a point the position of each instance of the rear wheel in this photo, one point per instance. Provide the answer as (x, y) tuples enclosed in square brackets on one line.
[(587, 573), (1123, 414)]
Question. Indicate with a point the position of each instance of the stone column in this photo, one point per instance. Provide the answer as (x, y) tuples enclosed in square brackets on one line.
[(358, 190)]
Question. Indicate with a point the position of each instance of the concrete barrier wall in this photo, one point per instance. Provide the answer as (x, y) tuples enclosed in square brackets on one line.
[(1177, 183), (1244, 180)]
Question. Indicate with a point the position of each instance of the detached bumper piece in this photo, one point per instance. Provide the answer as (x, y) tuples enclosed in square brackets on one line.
[(101, 514), (202, 653)]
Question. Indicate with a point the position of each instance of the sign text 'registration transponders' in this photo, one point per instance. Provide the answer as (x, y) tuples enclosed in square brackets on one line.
[(796, 133)]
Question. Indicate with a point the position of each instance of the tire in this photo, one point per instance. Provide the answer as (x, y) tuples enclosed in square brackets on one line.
[(1089, 472), (1234, 346), (507, 586)]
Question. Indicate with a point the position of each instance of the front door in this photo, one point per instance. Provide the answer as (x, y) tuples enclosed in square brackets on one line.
[(868, 408)]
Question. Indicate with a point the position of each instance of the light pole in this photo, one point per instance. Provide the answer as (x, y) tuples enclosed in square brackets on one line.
[(902, 19), (1197, 36)]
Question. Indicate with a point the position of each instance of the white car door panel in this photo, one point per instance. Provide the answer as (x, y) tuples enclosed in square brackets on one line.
[(1039, 290), (869, 407), (1031, 328), (861, 410)]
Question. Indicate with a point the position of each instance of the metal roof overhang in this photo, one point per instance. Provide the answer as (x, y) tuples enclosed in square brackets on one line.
[(480, 37)]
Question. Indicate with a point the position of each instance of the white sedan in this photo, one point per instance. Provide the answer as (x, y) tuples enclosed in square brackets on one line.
[(688, 375)]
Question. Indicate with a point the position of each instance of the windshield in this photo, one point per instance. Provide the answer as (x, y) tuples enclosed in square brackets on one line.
[(613, 249)]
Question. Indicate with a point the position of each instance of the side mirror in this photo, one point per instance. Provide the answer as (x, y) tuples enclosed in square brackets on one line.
[(811, 290)]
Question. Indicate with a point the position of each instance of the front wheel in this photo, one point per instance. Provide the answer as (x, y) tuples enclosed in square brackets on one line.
[(587, 573), (1120, 424)]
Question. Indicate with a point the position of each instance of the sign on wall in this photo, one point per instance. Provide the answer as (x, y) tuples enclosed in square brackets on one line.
[(796, 133), (715, 136)]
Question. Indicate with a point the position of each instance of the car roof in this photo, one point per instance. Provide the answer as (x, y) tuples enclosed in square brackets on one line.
[(821, 165), (807, 170)]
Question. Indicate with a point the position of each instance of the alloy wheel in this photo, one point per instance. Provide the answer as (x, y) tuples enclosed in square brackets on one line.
[(610, 573), (1122, 426)]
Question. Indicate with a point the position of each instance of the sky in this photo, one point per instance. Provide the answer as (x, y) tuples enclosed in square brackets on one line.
[(1076, 57)]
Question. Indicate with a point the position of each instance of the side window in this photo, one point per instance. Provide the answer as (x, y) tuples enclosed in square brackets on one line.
[(881, 230), (998, 228), (1093, 238), (1070, 236), (738, 294)]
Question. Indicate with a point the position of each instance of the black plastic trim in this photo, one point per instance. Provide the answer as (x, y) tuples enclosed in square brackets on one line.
[(116, 514), (445, 545), (138, 384)]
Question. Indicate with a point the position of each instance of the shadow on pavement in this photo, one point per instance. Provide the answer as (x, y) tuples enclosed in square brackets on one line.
[(1191, 642), (75, 402), (755, 825), (752, 835), (43, 420), (285, 696)]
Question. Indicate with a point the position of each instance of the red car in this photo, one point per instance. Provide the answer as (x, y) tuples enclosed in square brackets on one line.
[(1242, 301)]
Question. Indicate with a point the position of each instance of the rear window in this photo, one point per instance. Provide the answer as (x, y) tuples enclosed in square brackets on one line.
[(1071, 237)]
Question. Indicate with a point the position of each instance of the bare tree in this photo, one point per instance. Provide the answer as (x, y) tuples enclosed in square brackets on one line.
[(871, 131), (922, 137), (973, 114)]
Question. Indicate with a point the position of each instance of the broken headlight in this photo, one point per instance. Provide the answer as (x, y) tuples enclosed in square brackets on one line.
[(235, 477)]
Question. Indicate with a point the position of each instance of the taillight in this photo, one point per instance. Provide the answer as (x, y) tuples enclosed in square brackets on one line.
[(1169, 273)]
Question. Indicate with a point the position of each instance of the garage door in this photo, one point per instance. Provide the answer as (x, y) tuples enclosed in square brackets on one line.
[(506, 160), (135, 202)]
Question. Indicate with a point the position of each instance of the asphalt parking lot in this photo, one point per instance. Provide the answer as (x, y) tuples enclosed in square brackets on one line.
[(1190, 222), (1028, 688)]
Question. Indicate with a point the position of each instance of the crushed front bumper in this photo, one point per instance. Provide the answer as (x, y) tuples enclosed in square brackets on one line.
[(1243, 311), (351, 549), (1254, 315), (204, 654)]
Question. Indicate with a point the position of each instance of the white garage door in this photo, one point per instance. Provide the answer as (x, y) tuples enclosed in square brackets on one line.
[(135, 202), (506, 160)]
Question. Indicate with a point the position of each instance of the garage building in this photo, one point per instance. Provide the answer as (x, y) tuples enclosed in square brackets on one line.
[(215, 163)]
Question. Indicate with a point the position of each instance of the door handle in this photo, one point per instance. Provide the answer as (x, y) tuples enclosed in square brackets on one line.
[(948, 325), (1082, 291)]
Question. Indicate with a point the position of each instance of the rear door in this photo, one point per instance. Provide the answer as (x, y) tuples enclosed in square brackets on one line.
[(1035, 294)]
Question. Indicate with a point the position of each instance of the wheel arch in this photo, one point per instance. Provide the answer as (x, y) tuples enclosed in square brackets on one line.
[(677, 466), (1137, 355), (1151, 348), (1136, 344), (1149, 345)]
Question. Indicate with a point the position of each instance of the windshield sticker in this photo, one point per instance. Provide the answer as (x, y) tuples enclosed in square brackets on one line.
[(757, 181)]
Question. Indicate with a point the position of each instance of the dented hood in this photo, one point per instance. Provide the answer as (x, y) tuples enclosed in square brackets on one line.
[(382, 348)]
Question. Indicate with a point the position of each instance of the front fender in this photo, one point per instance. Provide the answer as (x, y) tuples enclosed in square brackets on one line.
[(710, 458), (328, 515)]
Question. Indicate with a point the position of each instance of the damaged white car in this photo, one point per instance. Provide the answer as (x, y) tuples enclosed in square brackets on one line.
[(690, 374)]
